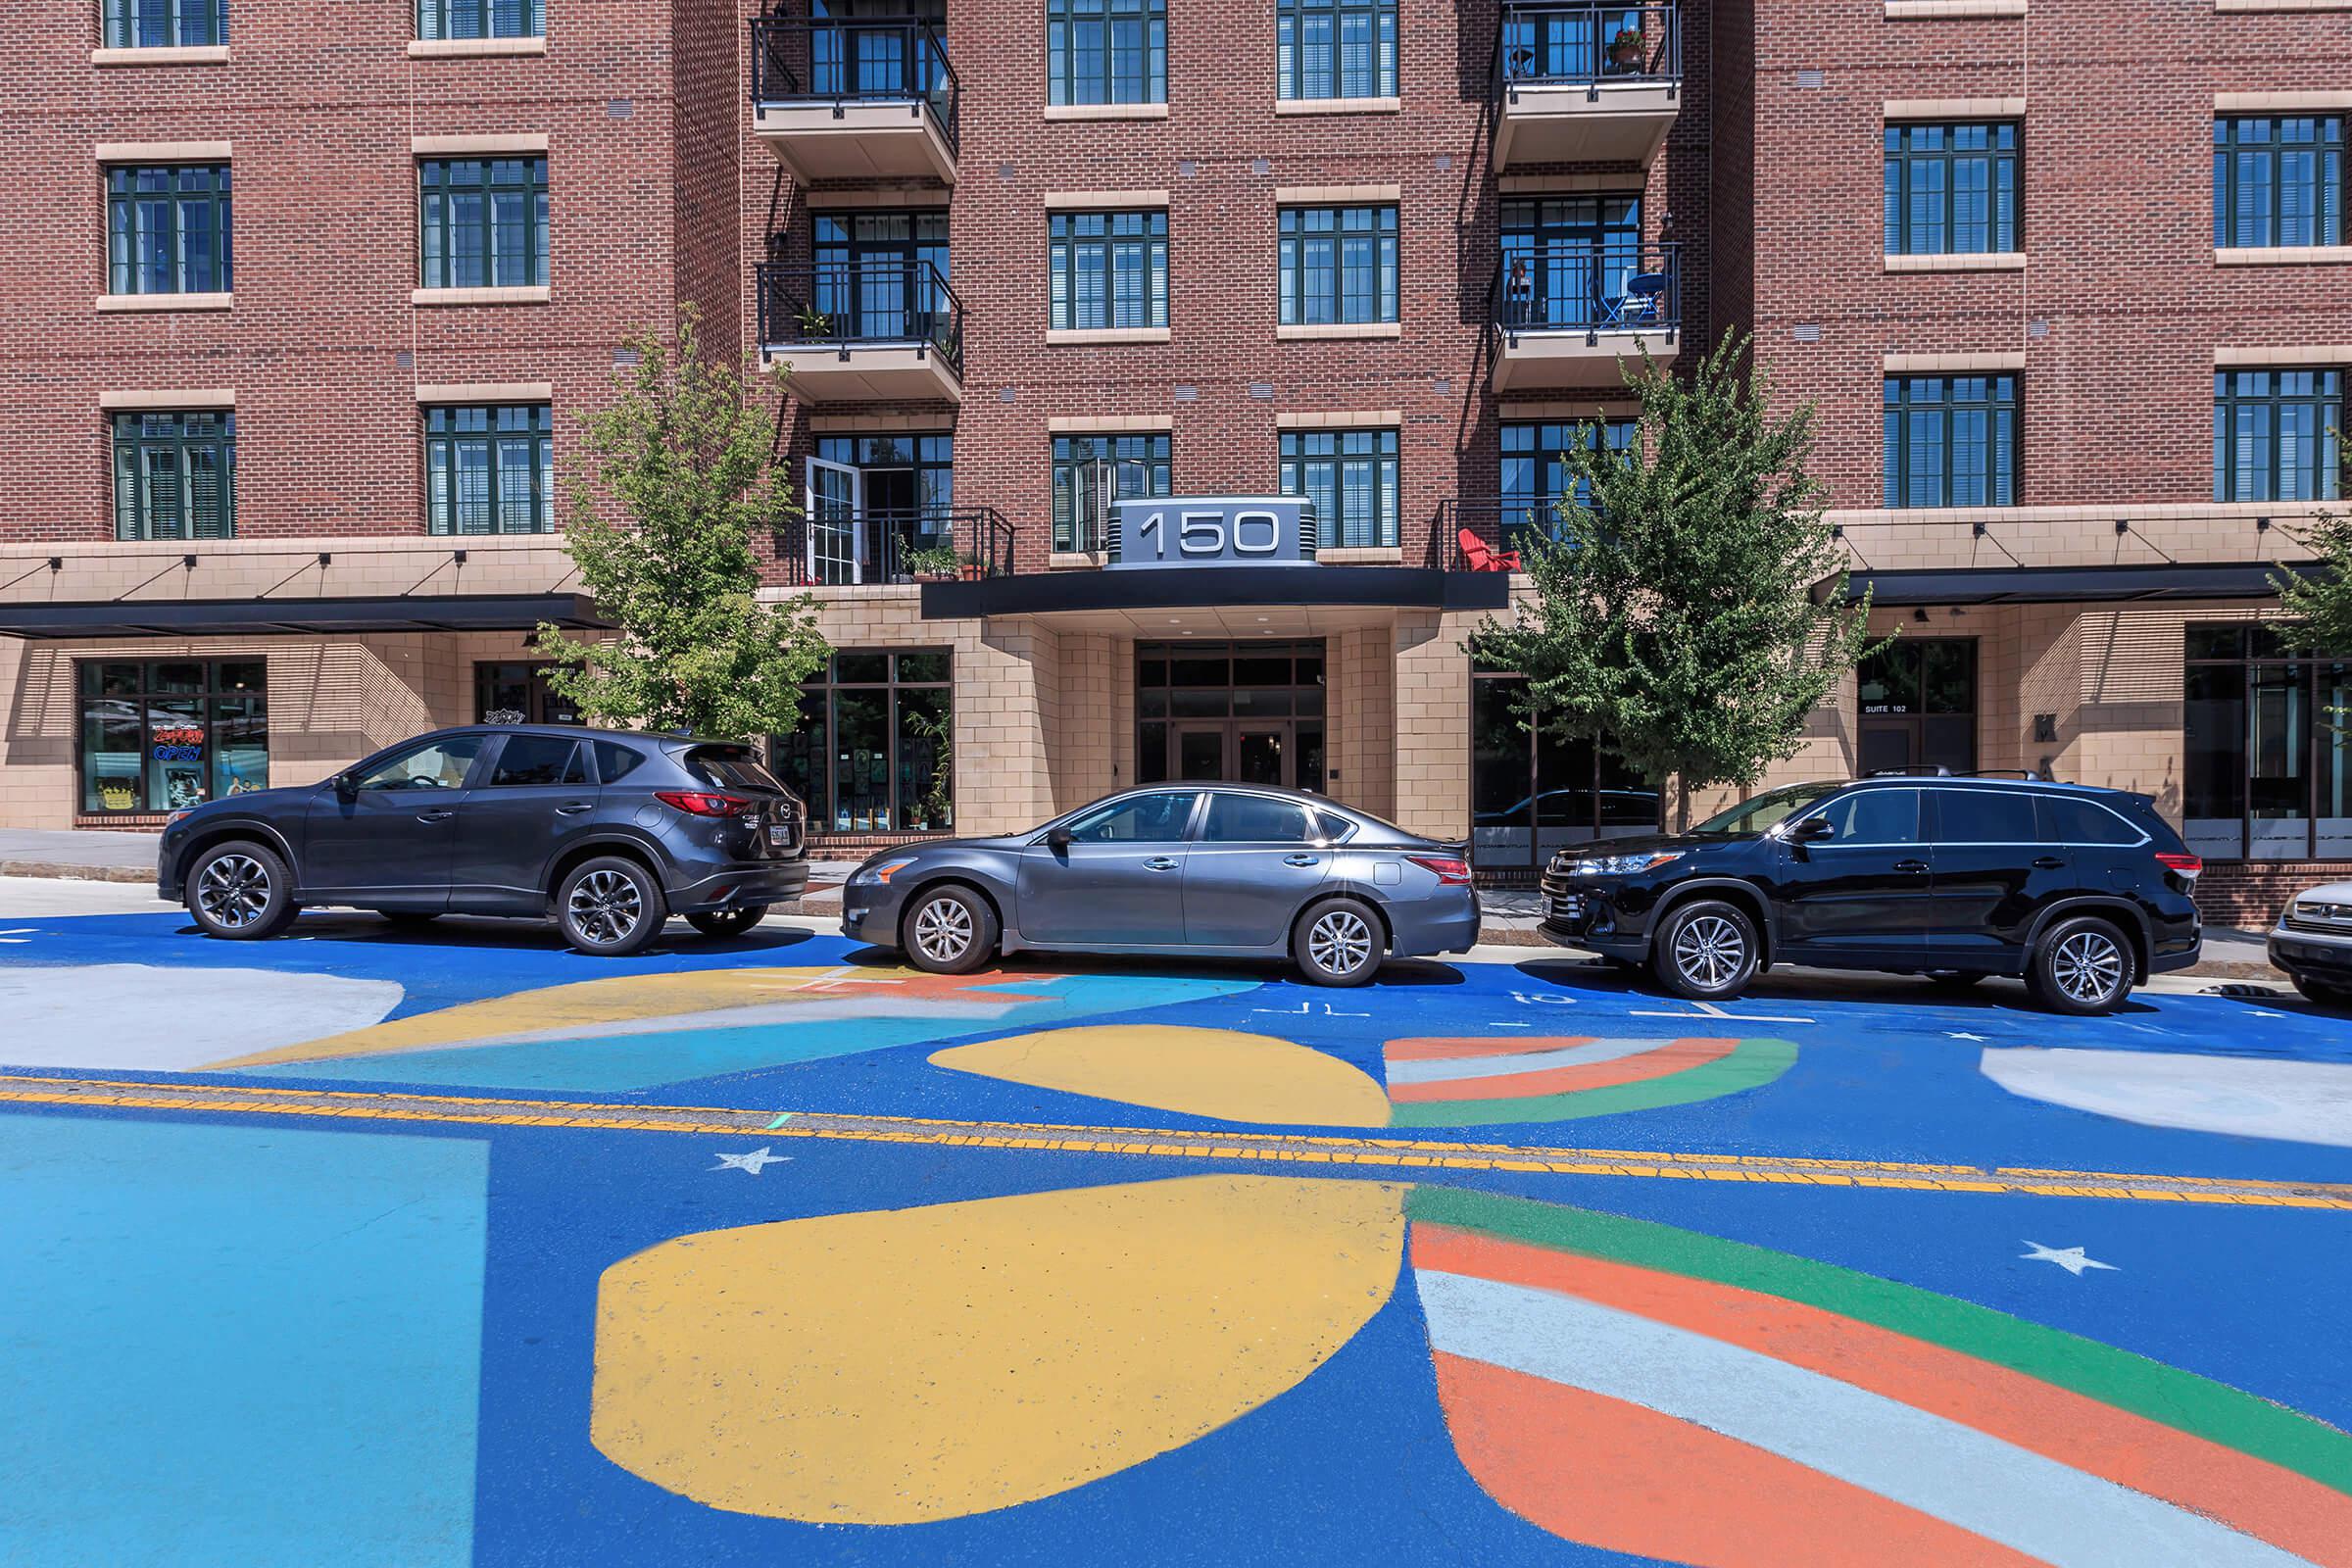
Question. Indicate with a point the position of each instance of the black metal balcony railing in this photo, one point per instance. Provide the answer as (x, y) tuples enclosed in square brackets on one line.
[(872, 302), (847, 59), (1473, 532), (1583, 288), (1586, 42), (834, 545)]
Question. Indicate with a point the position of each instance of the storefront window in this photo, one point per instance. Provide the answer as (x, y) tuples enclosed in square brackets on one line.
[(875, 749), (160, 734), (513, 692), (2264, 774), (1917, 698), (1532, 793)]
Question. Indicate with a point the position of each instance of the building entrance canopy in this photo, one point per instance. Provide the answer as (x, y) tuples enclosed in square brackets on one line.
[(1220, 589)]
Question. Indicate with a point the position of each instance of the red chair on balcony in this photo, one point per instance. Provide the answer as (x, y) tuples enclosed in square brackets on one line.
[(1484, 557)]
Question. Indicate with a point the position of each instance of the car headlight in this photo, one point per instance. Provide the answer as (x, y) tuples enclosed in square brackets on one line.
[(1623, 865), (876, 873), (177, 817)]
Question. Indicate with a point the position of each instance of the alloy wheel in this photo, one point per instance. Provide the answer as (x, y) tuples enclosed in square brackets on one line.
[(943, 930), (2088, 967), (1709, 951), (606, 906), (234, 891), (1340, 941)]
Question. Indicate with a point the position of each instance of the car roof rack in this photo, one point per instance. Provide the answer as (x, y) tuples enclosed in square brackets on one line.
[(2024, 775), (1926, 771)]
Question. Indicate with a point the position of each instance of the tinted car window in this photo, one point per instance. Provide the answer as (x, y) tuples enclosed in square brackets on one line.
[(2066, 819), (1984, 817), (1767, 808), (538, 760), (615, 760), (1156, 819), (1874, 816), (1256, 819), (730, 767), (436, 765)]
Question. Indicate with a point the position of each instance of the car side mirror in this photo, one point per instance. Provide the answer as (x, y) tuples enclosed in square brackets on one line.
[(1811, 829), (1057, 838), (347, 784)]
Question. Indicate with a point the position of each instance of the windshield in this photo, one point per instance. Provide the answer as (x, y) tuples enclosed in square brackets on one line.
[(1765, 811), (730, 767)]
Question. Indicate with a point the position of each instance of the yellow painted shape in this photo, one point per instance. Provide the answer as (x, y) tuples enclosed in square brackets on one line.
[(900, 1366), (1201, 1072), (623, 998)]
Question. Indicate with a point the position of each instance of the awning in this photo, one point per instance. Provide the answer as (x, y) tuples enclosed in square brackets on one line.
[(263, 617), (1201, 587), (2063, 585)]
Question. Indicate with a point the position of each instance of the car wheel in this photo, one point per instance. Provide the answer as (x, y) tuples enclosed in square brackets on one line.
[(1706, 950), (2322, 992), (2083, 966), (724, 923), (611, 906), (241, 892), (948, 930), (408, 918), (1339, 943)]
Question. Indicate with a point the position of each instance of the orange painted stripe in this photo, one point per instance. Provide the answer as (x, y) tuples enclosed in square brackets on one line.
[(1454, 1048), (2247, 1494), (1678, 1055), (1608, 1474)]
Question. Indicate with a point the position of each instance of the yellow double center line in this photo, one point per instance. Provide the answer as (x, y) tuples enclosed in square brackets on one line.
[(1305, 1149)]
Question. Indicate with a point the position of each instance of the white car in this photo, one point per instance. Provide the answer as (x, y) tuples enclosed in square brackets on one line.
[(2313, 943)]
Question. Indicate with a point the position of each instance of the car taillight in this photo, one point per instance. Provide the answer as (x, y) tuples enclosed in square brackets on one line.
[(1452, 870), (2186, 864), (703, 803)]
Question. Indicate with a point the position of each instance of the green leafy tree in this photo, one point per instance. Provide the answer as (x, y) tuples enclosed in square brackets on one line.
[(2315, 610), (687, 457), (1676, 618)]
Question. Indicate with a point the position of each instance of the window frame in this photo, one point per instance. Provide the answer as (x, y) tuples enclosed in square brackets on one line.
[(214, 695), (2306, 686), (817, 785), (441, 518), (119, 21), (181, 440), (2232, 407), (2324, 191), (1066, 462), (438, 253), (2003, 158), (126, 273), (1332, 531), (433, 19), (1296, 272), (1897, 425), (1066, 254), (1293, 76), (1064, 83)]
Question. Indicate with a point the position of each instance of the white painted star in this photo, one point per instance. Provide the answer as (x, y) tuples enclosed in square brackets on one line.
[(755, 1162), (2069, 1258), (1962, 1034)]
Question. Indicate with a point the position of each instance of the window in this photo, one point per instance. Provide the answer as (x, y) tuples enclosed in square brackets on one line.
[(1106, 51), (1534, 476), (1951, 190), (175, 475), (1084, 465), (440, 765), (490, 469), (2275, 433), (167, 230), (539, 759), (1986, 816), (1109, 269), (1873, 816), (1159, 817), (166, 23), (1247, 712), (481, 19), (616, 761), (2265, 776), (514, 692), (160, 734), (879, 276), (2070, 819), (1952, 440), (1918, 701), (1257, 820), (2279, 182), (874, 749), (484, 222), (1350, 475), (905, 491), (728, 767), (1335, 48), (1566, 258), (1339, 265), (1532, 793)]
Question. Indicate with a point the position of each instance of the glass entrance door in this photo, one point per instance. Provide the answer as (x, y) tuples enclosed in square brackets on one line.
[(1201, 752), (1240, 751), (1234, 712)]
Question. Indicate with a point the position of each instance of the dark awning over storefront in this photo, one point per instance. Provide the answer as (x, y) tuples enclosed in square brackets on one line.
[(2062, 586), (1198, 587), (262, 618)]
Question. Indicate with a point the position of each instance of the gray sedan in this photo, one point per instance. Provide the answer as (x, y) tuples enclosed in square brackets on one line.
[(1218, 870)]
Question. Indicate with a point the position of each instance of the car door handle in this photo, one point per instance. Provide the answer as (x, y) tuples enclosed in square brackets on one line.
[(574, 807), (442, 816), (2048, 863), (1910, 865), (1160, 862), (1303, 859)]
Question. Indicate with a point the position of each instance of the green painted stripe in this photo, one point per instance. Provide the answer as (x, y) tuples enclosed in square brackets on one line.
[(2177, 1399), (1750, 1064)]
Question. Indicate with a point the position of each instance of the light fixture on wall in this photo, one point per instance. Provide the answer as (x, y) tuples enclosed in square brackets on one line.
[(1920, 616)]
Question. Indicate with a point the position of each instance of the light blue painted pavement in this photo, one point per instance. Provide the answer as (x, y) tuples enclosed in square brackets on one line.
[(242, 1346)]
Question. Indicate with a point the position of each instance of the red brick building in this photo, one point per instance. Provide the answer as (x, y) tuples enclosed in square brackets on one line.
[(1007, 260)]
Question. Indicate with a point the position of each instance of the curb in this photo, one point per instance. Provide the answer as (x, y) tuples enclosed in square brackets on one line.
[(63, 870)]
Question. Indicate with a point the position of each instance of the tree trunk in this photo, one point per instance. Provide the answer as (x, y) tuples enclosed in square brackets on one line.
[(1682, 804)]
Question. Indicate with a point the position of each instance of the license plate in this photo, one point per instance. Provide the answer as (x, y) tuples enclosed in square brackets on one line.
[(779, 833)]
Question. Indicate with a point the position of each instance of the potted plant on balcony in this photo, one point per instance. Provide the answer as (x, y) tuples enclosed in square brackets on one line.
[(1629, 52), (814, 323), (933, 562)]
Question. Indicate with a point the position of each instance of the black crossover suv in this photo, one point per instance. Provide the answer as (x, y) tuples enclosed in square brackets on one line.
[(607, 832), (2083, 891)]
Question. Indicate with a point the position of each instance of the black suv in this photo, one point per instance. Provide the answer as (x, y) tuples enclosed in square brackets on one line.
[(606, 831), (2084, 892)]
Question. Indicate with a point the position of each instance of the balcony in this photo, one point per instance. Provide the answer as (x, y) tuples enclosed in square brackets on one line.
[(838, 543), (1564, 316), (877, 329), (1585, 82), (1481, 533), (855, 97)]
